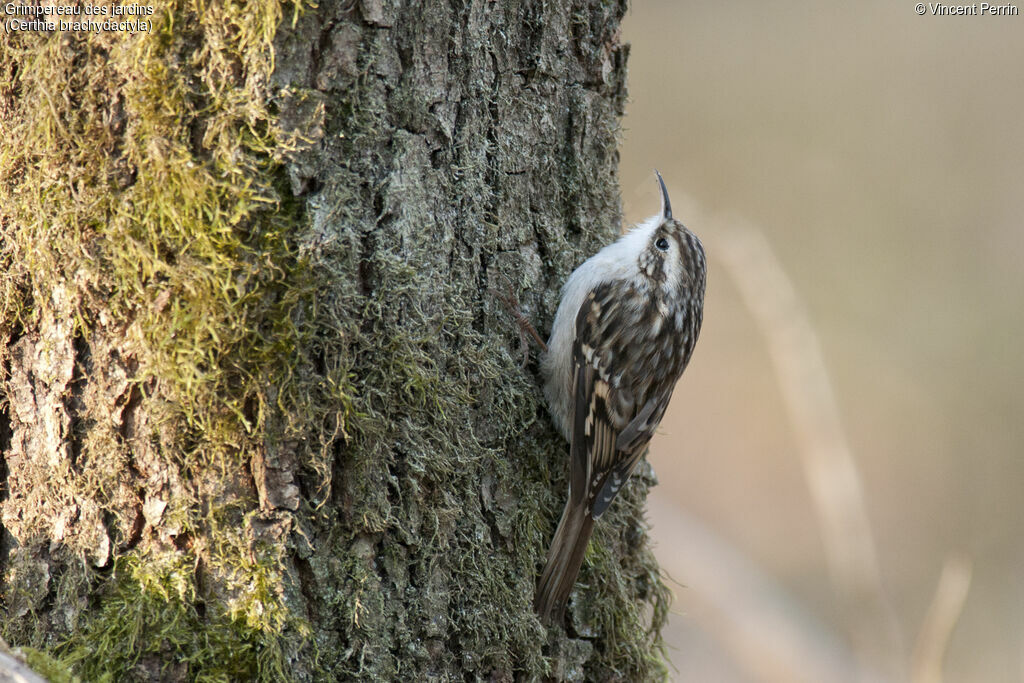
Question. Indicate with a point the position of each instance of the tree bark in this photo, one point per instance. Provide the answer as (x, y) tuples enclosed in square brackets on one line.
[(263, 414)]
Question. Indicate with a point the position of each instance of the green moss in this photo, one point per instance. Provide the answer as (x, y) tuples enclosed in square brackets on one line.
[(150, 620), (51, 669), (141, 174)]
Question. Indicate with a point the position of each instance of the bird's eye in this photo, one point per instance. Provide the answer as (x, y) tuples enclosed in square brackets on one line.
[(662, 244)]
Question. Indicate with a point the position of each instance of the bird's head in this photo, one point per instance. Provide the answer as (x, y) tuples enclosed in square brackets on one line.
[(671, 258)]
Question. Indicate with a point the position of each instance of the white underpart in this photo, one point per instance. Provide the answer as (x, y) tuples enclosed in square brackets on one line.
[(617, 261)]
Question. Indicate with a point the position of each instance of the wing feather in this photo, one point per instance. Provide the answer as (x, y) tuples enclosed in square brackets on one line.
[(608, 432), (641, 428)]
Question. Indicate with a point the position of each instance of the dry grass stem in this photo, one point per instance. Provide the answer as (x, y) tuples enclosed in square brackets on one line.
[(831, 472), (940, 620)]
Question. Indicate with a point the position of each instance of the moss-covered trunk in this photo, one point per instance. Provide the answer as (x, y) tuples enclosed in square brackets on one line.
[(261, 412)]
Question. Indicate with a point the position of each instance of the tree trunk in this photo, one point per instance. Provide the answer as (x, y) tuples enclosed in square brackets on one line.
[(263, 413)]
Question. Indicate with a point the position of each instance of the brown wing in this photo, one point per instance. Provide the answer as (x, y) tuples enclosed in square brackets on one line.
[(631, 444), (641, 428), (600, 412)]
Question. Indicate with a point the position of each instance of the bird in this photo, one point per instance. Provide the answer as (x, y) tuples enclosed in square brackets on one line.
[(624, 331)]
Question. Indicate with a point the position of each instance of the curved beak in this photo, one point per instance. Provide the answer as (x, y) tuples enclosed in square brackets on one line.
[(666, 205)]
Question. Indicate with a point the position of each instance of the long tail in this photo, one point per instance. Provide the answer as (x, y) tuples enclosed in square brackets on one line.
[(564, 561)]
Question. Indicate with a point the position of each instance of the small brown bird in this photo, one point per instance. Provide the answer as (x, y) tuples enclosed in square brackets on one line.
[(624, 331)]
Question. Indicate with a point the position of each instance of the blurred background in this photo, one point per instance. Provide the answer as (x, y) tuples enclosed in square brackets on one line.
[(840, 469)]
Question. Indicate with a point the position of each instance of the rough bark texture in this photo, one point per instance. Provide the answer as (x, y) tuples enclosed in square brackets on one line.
[(261, 412)]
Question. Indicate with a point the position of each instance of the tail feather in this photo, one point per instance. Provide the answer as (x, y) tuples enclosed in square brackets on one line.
[(564, 561)]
